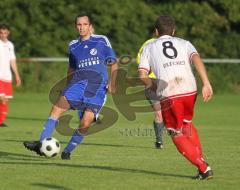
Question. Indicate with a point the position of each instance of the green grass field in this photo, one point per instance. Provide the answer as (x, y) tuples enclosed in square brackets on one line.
[(115, 159)]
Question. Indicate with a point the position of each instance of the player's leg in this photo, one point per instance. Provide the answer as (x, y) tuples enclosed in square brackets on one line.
[(191, 132), (78, 135), (173, 117), (5, 95), (91, 110), (61, 106), (158, 125), (188, 128), (189, 151), (181, 141), (70, 98), (3, 111)]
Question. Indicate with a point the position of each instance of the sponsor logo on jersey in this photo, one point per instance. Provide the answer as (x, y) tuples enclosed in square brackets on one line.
[(88, 62), (93, 51), (173, 63)]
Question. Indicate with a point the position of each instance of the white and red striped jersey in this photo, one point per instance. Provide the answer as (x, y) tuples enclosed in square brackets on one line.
[(169, 58), (6, 55)]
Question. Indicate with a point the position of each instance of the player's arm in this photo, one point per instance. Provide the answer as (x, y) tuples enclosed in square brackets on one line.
[(207, 91), (141, 49), (14, 67), (144, 77), (144, 69), (70, 71), (111, 61), (113, 76)]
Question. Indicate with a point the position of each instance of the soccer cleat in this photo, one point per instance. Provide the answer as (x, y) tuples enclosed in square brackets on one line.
[(159, 145), (3, 125), (33, 146), (208, 174), (197, 175), (66, 156)]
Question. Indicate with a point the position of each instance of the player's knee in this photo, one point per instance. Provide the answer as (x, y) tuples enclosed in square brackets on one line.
[(158, 117), (85, 124), (56, 112), (3, 100), (83, 128)]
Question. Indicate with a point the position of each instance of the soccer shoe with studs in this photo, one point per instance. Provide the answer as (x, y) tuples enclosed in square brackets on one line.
[(208, 174), (66, 156), (33, 146), (158, 145)]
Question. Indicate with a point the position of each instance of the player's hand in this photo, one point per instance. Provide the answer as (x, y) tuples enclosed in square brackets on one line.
[(18, 81), (207, 92), (153, 86)]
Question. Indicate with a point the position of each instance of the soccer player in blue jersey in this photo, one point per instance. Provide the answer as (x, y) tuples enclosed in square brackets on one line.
[(86, 91)]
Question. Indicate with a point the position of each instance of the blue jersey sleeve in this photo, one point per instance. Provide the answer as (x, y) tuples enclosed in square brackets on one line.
[(71, 58), (72, 61), (108, 52), (103, 39), (110, 56)]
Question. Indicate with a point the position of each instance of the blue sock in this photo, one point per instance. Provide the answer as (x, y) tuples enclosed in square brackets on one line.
[(74, 141), (48, 128)]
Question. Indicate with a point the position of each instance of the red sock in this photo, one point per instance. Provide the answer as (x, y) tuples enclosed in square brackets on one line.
[(191, 132), (3, 112), (189, 151)]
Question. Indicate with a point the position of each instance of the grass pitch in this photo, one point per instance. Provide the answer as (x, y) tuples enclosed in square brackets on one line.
[(122, 156)]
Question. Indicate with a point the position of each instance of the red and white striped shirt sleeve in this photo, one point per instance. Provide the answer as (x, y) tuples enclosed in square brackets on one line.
[(191, 50)]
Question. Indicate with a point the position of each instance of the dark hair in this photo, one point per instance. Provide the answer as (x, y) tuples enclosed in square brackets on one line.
[(82, 15), (151, 30), (4, 27), (165, 25)]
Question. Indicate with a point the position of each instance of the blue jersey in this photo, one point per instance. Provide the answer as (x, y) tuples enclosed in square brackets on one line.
[(89, 59)]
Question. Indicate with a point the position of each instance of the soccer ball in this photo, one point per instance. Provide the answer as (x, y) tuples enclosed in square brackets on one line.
[(50, 147)]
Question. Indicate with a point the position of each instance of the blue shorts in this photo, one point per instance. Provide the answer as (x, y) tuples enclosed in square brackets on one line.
[(82, 97)]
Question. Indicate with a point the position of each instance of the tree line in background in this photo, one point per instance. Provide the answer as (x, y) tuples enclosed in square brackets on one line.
[(43, 28)]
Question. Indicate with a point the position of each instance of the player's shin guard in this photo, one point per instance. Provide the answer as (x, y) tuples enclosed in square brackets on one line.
[(76, 139), (191, 132), (158, 128), (3, 112), (48, 128), (188, 150)]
